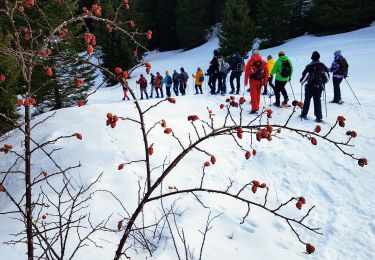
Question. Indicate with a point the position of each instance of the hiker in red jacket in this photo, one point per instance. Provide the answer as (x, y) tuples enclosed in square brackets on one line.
[(143, 85), (125, 86), (257, 70)]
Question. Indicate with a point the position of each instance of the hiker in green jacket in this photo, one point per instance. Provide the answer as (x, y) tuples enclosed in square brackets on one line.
[(283, 69)]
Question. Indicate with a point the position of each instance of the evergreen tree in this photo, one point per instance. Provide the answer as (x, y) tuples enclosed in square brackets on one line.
[(274, 21), (191, 22), (341, 15), (237, 31)]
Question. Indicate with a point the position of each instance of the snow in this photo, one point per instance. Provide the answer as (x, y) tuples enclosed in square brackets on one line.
[(291, 166)]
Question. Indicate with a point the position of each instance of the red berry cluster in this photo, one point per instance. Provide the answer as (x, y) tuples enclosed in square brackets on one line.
[(78, 82), (45, 53), (206, 164), (150, 150), (317, 129), (362, 162), (109, 28), (96, 9), (29, 3), (232, 101), (352, 134), (310, 248), (221, 106), (269, 113), (264, 133), (6, 148), (192, 118), (26, 102), (239, 132), (78, 136), (213, 159), (341, 121), (163, 123), (111, 120), (313, 140), (2, 77), (63, 33), (171, 100), (301, 201), (119, 224), (90, 40), (256, 185), (126, 4), (81, 102), (121, 166), (148, 67), (149, 35), (49, 72), (168, 131)]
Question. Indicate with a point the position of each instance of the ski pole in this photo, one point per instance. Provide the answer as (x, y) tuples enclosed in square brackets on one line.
[(352, 91), (292, 90), (325, 99)]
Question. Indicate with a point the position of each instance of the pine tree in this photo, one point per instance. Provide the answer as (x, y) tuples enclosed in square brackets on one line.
[(274, 21), (237, 31), (191, 22), (341, 15)]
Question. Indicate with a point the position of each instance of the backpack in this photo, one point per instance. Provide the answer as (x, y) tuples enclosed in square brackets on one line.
[(221, 63), (169, 80), (241, 65), (226, 67), (185, 76), (201, 79), (286, 69), (317, 76), (143, 83), (343, 67), (259, 72)]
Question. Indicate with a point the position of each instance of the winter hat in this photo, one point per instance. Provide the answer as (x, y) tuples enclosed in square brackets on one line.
[(337, 53), (315, 56), (269, 57), (255, 52), (281, 53), (216, 52), (141, 75), (199, 68)]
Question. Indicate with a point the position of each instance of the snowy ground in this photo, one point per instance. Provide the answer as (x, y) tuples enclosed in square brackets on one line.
[(339, 188)]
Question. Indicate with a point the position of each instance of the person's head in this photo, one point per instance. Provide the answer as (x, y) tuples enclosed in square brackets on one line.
[(269, 57), (199, 68), (166, 72), (216, 52), (337, 53), (151, 74), (315, 56), (281, 53), (236, 53), (157, 73), (174, 71), (255, 52), (142, 75), (182, 69)]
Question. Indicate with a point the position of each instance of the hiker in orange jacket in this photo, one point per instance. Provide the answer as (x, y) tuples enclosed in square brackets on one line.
[(257, 71)]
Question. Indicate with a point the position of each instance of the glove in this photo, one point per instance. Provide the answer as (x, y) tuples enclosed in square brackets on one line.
[(301, 80), (345, 76)]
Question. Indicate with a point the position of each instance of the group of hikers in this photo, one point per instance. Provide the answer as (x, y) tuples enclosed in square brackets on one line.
[(258, 74)]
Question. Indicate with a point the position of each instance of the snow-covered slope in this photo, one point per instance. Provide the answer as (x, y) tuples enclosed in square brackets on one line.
[(340, 189)]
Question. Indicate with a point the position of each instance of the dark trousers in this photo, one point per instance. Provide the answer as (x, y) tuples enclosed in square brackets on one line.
[(269, 83), (211, 83), (168, 89), (175, 88), (144, 90), (315, 93), (280, 88), (183, 88), (198, 87), (224, 83), (336, 89), (235, 75), (217, 77), (157, 92)]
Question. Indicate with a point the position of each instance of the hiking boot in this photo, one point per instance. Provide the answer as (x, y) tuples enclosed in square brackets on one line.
[(238, 92), (303, 117), (276, 105), (319, 120), (231, 92)]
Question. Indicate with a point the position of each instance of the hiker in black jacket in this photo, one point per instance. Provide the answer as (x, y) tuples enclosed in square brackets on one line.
[(237, 65), (318, 75), (176, 81)]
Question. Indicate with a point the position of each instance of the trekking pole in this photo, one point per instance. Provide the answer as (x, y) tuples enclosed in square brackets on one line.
[(292, 90), (352, 91), (325, 100)]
